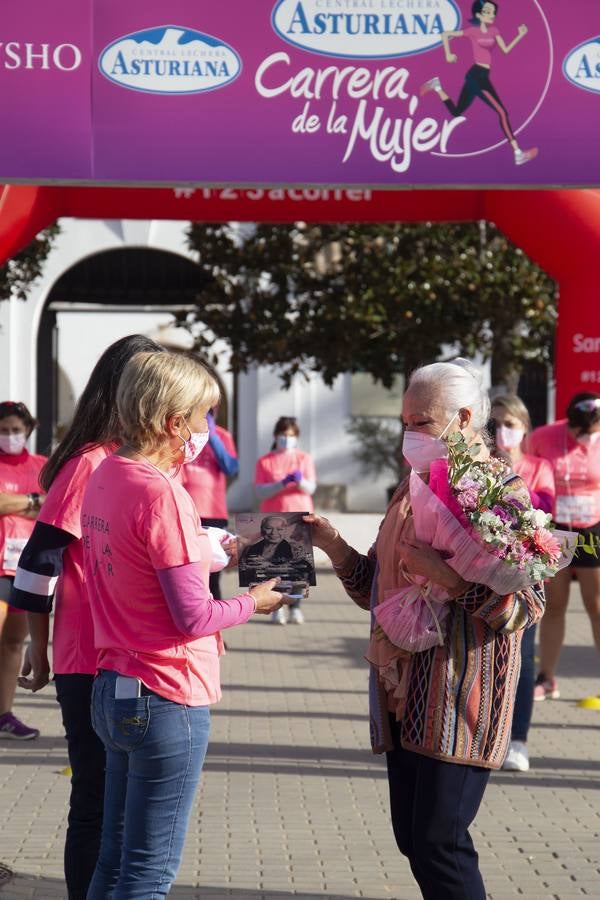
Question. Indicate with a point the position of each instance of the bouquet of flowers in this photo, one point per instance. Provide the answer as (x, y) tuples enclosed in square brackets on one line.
[(488, 534)]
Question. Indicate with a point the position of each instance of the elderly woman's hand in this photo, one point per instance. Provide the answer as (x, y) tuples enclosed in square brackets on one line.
[(421, 559), (329, 540), (324, 535)]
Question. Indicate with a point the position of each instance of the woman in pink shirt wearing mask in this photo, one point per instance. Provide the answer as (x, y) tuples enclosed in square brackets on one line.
[(511, 424), (20, 502), (285, 480), (50, 572), (156, 625), (572, 447)]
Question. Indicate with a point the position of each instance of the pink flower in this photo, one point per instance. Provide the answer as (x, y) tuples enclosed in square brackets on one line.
[(545, 542), (468, 499)]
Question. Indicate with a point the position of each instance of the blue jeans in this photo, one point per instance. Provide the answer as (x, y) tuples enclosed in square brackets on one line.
[(524, 696), (154, 754)]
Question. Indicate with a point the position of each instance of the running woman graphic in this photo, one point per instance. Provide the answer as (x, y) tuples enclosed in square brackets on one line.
[(484, 37)]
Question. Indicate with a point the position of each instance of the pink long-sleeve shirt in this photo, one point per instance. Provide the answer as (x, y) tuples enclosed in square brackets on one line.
[(146, 564)]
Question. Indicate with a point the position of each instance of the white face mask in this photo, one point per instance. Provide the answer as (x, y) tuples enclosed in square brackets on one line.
[(286, 442), (13, 443), (195, 444), (509, 438), (420, 449)]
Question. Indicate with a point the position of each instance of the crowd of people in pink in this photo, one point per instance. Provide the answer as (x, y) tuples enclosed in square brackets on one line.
[(108, 565)]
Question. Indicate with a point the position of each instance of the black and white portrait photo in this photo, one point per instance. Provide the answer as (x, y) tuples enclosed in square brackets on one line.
[(274, 544)]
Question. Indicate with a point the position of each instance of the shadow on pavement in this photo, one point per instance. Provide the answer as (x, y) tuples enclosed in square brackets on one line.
[(278, 759), (557, 782), (577, 661), (22, 886), (563, 726), (558, 763), (351, 649), (292, 714), (276, 688)]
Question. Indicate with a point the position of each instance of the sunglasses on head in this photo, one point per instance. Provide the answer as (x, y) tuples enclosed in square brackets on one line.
[(588, 406)]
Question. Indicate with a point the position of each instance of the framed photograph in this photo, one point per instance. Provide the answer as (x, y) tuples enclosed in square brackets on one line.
[(275, 544)]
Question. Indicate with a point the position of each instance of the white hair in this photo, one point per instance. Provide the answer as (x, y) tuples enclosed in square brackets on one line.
[(456, 385)]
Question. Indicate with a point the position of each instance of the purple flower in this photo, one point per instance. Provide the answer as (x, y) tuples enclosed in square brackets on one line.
[(503, 514), (513, 501), (468, 499)]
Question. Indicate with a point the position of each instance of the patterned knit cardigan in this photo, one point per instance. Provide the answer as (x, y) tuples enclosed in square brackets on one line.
[(460, 695)]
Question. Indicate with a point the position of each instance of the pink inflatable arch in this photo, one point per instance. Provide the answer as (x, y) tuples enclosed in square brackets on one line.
[(559, 229)]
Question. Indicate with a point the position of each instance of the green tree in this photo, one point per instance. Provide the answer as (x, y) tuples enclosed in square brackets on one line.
[(379, 298), (18, 273)]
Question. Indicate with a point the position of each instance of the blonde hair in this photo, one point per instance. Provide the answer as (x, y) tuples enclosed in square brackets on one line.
[(156, 386), (515, 407)]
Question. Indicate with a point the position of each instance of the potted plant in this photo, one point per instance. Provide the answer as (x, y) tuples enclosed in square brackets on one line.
[(378, 447)]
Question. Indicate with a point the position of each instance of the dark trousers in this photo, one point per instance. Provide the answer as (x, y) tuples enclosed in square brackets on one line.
[(88, 759), (524, 696), (433, 804), (214, 582), (478, 84)]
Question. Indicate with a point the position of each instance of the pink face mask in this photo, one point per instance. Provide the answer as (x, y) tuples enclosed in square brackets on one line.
[(195, 444)]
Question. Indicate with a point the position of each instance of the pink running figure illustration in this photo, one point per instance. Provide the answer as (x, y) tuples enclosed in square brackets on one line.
[(484, 37)]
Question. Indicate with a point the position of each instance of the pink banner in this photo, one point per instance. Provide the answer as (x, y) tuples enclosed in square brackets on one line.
[(389, 93)]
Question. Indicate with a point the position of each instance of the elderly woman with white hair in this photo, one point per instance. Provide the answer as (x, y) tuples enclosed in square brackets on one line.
[(443, 715)]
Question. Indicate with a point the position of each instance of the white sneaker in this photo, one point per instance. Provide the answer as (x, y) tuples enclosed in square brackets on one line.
[(279, 617), (296, 616), (434, 84), (517, 758), (525, 156)]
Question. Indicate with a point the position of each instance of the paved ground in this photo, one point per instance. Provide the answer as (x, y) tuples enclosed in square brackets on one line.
[(293, 803)]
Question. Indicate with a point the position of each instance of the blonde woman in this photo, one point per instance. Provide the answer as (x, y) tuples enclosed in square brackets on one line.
[(156, 625)]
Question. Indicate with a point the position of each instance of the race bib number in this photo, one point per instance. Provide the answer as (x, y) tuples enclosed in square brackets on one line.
[(581, 509), (13, 547)]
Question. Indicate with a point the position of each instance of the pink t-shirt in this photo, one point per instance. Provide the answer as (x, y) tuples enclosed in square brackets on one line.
[(136, 520), (576, 469), (19, 474), (206, 483), (274, 466), (73, 650), (539, 478), (483, 42)]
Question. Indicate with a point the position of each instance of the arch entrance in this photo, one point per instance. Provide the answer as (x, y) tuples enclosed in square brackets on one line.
[(118, 281)]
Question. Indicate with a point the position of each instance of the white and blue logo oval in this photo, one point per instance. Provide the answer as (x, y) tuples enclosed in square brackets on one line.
[(582, 66), (170, 60), (376, 30)]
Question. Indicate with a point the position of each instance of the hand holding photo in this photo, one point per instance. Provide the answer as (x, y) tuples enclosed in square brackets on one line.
[(276, 544)]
